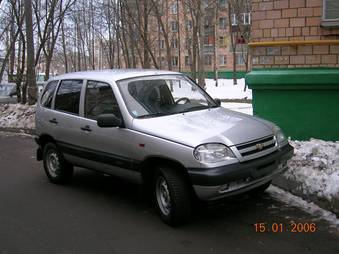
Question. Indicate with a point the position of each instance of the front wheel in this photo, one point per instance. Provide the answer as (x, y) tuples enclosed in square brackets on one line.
[(172, 196), (57, 169)]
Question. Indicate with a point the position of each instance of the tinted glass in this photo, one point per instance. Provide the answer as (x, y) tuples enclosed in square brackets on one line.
[(47, 97), (163, 95), (100, 100), (68, 96)]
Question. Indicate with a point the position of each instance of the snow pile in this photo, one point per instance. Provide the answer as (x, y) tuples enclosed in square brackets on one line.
[(311, 208), (315, 165), (226, 89), (17, 116)]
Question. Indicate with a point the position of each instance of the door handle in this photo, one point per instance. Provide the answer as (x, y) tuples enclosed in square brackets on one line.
[(53, 121), (86, 128)]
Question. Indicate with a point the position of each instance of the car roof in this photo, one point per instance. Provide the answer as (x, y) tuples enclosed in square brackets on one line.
[(113, 74)]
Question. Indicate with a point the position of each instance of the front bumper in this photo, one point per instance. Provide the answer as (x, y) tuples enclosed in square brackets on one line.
[(215, 183)]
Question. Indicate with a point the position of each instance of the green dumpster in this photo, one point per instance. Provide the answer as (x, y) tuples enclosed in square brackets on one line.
[(304, 102)]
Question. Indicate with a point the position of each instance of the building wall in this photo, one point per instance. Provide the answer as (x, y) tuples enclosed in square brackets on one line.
[(292, 20), (222, 50)]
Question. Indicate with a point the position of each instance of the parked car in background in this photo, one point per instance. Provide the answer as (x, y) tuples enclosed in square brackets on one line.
[(160, 129)]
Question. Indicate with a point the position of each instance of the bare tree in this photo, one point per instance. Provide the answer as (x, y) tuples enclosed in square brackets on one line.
[(240, 31), (30, 73)]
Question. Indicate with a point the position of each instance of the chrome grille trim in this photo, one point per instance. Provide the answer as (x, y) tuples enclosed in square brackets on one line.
[(257, 148)]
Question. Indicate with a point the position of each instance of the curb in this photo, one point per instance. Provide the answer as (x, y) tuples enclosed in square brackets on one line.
[(18, 130), (293, 187)]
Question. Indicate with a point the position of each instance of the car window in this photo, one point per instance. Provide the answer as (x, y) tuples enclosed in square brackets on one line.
[(68, 96), (99, 99), (47, 97), (161, 95)]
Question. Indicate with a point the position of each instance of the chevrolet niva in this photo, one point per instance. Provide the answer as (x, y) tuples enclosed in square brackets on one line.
[(158, 128)]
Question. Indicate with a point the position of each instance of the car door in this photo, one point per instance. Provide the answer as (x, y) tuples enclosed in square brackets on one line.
[(65, 118), (105, 149)]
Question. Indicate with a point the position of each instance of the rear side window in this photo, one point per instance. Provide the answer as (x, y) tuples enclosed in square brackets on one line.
[(47, 97), (100, 100), (68, 96)]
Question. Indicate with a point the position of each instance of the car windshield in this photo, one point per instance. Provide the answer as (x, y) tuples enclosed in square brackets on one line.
[(163, 95)]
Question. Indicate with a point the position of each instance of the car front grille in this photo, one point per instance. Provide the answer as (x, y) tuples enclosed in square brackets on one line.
[(257, 146)]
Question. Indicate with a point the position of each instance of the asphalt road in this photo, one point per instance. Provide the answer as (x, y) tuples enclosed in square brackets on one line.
[(101, 214)]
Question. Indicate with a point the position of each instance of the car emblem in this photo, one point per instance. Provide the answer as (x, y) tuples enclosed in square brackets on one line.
[(259, 146)]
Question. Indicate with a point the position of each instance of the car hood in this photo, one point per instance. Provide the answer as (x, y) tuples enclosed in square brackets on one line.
[(217, 125)]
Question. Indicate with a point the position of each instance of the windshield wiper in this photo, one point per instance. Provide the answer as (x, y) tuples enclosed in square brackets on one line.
[(152, 115), (195, 108)]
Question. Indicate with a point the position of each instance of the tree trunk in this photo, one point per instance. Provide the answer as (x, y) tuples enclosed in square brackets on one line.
[(201, 69), (12, 56), (30, 76), (216, 63), (64, 46)]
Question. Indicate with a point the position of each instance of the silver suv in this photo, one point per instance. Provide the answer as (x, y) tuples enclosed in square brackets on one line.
[(157, 128)]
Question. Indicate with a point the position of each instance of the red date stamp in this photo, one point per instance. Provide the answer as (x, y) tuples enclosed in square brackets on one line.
[(293, 227)]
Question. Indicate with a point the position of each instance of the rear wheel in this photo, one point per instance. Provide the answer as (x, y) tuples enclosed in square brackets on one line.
[(172, 196), (56, 168)]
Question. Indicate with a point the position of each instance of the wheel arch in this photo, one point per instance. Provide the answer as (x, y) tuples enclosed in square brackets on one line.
[(42, 140), (149, 166)]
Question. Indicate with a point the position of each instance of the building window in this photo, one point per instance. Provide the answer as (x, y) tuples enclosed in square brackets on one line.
[(161, 60), (245, 19), (222, 41), (175, 61), (223, 23), (240, 58), (222, 60), (234, 20), (174, 26), (208, 40), (162, 44), (189, 24), (188, 61), (174, 8), (208, 21), (188, 43), (222, 3), (330, 13), (208, 59), (174, 43)]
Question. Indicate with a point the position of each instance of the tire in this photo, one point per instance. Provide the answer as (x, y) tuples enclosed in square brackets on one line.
[(56, 168), (172, 196)]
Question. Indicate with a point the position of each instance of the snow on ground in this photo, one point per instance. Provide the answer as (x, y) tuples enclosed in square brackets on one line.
[(226, 89), (316, 166), (17, 116), (291, 200), (240, 107)]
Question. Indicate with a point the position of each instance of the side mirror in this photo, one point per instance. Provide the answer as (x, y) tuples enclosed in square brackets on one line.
[(108, 120), (217, 101)]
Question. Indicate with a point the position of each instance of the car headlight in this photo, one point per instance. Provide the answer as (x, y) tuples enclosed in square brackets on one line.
[(211, 153), (279, 135)]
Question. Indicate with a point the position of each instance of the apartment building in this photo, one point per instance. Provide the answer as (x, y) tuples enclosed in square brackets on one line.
[(217, 46)]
